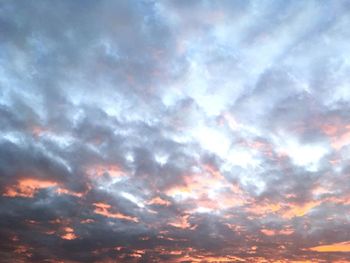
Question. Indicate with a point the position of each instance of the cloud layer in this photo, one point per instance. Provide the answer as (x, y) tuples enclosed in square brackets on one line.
[(174, 131)]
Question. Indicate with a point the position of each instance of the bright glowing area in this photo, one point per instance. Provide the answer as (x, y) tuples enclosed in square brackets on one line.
[(212, 140), (129, 157), (180, 194), (63, 140), (242, 157), (161, 158), (132, 199), (203, 210), (12, 137), (306, 155)]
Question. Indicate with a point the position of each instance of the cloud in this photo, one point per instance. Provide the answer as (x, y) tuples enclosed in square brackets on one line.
[(337, 247), (146, 131)]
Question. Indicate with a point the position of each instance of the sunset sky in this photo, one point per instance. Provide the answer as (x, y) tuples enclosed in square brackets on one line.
[(174, 131)]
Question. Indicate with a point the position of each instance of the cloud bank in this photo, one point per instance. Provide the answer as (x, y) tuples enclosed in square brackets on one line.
[(174, 131)]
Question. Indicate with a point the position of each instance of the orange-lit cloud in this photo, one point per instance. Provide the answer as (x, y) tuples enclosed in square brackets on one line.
[(181, 222), (206, 188), (87, 221), (273, 232), (285, 210), (102, 209), (212, 259), (263, 209), (68, 192), (339, 141), (336, 247), (268, 232), (27, 187), (68, 234), (339, 134), (158, 201), (213, 171), (294, 210)]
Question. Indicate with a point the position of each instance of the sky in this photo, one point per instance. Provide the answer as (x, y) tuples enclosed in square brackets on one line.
[(174, 131)]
